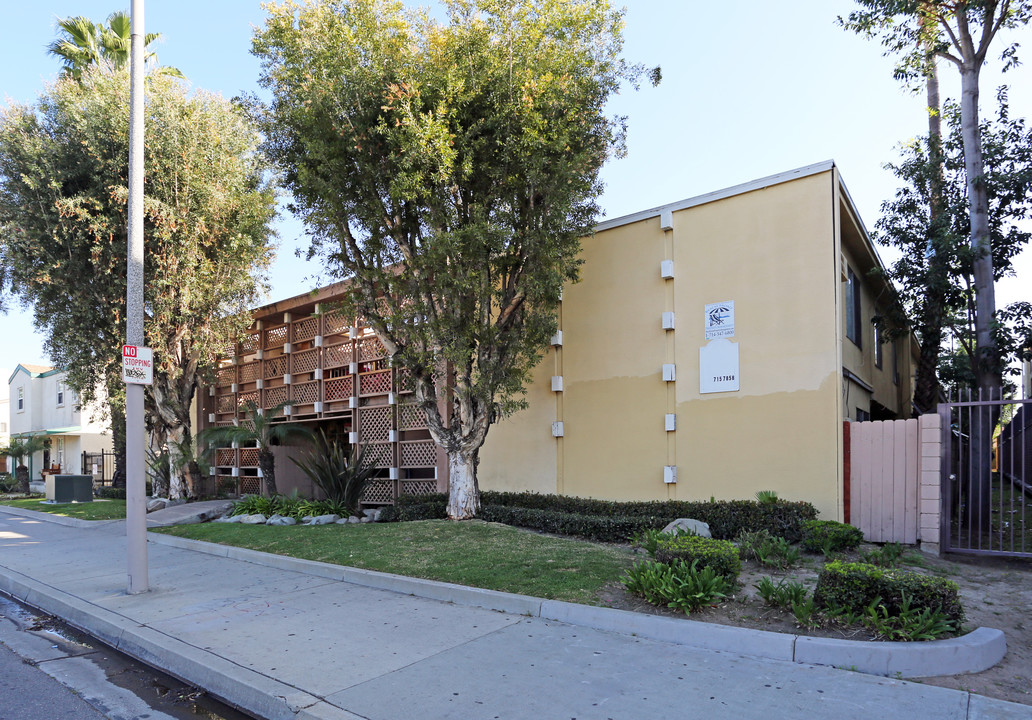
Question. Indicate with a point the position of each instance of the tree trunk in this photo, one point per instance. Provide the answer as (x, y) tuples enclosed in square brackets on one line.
[(194, 479), (177, 438), (117, 415), (158, 481), (463, 490), (22, 474), (267, 464)]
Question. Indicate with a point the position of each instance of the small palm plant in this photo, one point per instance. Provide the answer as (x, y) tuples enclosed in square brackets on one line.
[(258, 430), (342, 474), (20, 448)]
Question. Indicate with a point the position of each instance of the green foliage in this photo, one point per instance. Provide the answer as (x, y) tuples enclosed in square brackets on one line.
[(908, 623), (448, 171), (649, 539), (766, 497), (888, 555), (341, 474), (784, 594), (829, 536), (767, 549), (7, 482), (112, 493), (721, 555), (679, 585), (853, 587), (84, 44), (592, 527)]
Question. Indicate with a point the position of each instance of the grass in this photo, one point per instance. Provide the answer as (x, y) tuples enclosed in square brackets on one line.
[(96, 510), (473, 553)]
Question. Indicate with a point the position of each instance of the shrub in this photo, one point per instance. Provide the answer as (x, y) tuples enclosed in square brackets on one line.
[(721, 555), (828, 536), (784, 595), (767, 549), (679, 585), (342, 474), (592, 527), (888, 555), (110, 493), (854, 587)]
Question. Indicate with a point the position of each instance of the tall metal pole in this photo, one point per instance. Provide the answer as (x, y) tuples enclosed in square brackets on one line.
[(136, 487)]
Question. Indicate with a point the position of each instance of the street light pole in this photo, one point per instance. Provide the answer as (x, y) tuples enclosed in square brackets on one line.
[(136, 484)]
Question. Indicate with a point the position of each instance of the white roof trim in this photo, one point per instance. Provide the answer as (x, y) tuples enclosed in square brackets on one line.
[(719, 194)]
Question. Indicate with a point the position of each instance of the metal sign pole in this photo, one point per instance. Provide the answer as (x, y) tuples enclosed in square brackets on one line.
[(136, 482)]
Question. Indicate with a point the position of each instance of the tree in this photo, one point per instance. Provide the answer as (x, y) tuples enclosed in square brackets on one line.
[(20, 448), (960, 31), (63, 210), (938, 262), (448, 171), (258, 429), (84, 44)]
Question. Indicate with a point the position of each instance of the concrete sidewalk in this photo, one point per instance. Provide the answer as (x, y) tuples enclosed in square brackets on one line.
[(283, 638)]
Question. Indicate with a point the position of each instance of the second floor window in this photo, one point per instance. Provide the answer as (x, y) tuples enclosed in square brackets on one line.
[(60, 393), (877, 346), (853, 307), (21, 399)]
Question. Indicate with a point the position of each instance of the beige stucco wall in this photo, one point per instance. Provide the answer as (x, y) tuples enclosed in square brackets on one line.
[(772, 251)]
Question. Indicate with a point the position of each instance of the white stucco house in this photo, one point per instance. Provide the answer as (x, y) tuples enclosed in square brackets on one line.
[(42, 403), (5, 420)]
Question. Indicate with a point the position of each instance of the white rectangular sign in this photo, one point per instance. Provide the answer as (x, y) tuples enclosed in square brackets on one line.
[(720, 320), (718, 367), (137, 364)]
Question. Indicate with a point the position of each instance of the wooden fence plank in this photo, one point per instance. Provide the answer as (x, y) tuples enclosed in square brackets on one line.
[(912, 493), (899, 480), (885, 480)]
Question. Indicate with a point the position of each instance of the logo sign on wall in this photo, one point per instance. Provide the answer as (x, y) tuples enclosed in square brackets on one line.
[(137, 365), (720, 320)]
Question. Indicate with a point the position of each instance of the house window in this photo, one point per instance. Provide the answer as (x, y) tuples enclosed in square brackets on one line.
[(895, 362), (60, 451), (853, 307), (877, 346), (21, 399), (3, 427), (862, 415), (60, 393)]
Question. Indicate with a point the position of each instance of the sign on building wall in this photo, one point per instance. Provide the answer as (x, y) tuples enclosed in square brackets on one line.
[(720, 320), (718, 367), (137, 364)]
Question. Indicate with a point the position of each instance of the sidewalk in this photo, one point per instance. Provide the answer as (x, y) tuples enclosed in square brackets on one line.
[(283, 638)]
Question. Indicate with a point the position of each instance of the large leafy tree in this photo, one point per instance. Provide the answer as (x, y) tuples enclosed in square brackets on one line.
[(448, 169), (63, 212), (83, 44), (960, 32)]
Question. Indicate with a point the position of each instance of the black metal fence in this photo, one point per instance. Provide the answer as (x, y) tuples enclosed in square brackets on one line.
[(101, 465), (987, 475)]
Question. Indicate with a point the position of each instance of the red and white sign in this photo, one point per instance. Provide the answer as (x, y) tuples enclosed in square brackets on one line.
[(137, 364)]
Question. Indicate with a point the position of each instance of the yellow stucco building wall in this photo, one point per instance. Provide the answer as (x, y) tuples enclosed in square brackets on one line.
[(776, 248)]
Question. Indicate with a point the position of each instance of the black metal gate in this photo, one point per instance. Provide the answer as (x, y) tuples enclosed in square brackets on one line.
[(101, 465), (987, 475)]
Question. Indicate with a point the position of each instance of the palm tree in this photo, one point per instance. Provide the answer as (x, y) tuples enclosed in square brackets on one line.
[(21, 448), (85, 44), (258, 430)]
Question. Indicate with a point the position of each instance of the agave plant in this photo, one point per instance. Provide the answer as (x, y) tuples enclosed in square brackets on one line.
[(339, 472)]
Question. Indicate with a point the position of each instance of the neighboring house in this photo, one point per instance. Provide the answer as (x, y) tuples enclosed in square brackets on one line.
[(42, 402), (5, 421), (712, 348)]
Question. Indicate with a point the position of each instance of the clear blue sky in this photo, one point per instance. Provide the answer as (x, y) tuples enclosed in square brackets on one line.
[(749, 89)]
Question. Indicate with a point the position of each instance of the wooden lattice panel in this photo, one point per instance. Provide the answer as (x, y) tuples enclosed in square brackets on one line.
[(275, 396), (376, 383), (376, 423), (225, 376), (225, 403), (339, 388), (304, 362), (379, 491), (411, 417), (336, 323), (250, 485), (304, 393), (370, 348), (275, 337), (248, 457), (248, 396), (418, 487), (226, 484), (405, 383), (337, 355), (249, 372), (379, 455), (249, 342), (421, 453), (225, 457), (276, 367), (305, 329)]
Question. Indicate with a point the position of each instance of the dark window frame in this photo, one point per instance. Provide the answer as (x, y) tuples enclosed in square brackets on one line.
[(853, 309)]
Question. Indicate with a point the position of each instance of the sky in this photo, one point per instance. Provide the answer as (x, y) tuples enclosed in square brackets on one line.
[(749, 89)]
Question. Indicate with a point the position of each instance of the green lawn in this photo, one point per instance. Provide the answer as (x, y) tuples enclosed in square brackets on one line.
[(96, 510), (474, 553)]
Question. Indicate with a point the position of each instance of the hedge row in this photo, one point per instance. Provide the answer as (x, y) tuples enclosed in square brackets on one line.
[(611, 521), (854, 586), (721, 555)]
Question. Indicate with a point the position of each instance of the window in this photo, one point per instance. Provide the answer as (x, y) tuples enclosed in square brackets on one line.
[(853, 307), (877, 346), (60, 393), (862, 415), (895, 362), (3, 427), (21, 399), (60, 451)]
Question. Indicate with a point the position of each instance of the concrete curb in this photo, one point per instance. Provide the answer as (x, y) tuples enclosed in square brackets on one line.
[(971, 653)]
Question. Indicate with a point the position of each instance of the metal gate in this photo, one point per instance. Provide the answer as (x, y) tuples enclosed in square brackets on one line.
[(101, 465), (987, 475)]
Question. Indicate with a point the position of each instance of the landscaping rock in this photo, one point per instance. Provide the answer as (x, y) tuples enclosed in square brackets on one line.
[(229, 519), (374, 514), (321, 520), (156, 504), (696, 527), (281, 520), (257, 519), (354, 519), (366, 519)]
